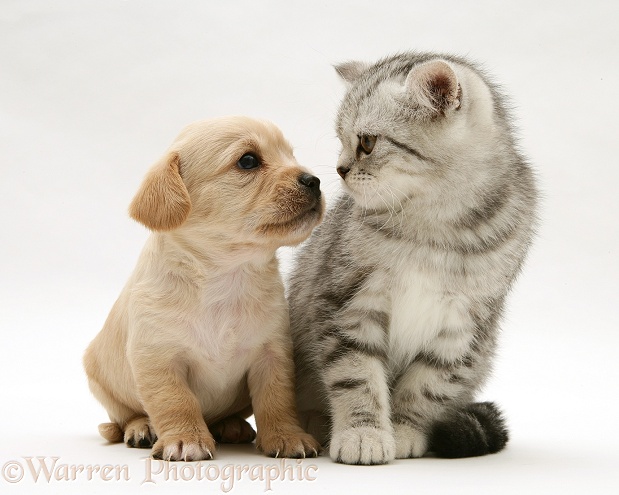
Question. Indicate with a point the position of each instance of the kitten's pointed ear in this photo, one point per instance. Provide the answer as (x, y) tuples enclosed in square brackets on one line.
[(434, 85), (351, 71), (162, 202)]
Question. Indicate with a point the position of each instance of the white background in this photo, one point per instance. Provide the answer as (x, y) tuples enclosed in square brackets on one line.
[(92, 92)]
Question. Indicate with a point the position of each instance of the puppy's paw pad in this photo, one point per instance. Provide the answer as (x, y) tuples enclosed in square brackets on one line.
[(409, 442), (362, 445), (294, 445), (232, 430), (189, 447), (140, 434)]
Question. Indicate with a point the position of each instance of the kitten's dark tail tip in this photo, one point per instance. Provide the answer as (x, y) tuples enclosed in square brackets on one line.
[(477, 429)]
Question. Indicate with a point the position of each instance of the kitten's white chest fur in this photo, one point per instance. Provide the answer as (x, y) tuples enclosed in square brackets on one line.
[(426, 315)]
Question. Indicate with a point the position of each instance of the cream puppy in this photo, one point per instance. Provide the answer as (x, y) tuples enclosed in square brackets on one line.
[(199, 336)]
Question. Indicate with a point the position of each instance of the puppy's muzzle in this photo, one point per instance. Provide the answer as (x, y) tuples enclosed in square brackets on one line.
[(311, 184)]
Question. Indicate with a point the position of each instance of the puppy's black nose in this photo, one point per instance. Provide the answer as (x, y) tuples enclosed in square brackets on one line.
[(342, 170), (311, 182)]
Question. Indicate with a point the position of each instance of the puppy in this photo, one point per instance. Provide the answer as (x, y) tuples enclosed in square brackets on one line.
[(199, 335)]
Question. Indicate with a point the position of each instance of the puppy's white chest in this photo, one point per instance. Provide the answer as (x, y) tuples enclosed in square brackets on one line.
[(229, 324), (225, 335), (423, 307)]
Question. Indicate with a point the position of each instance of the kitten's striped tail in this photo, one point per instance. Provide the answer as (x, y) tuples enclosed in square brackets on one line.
[(476, 429)]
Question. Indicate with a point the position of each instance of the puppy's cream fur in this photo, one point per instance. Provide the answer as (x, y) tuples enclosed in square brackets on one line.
[(199, 335)]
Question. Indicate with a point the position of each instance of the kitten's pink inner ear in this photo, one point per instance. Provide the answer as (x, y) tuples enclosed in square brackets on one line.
[(434, 85)]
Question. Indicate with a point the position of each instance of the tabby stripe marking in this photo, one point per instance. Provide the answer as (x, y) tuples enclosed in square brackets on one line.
[(348, 384), (347, 345), (431, 396), (408, 149), (363, 418), (411, 418), (379, 318)]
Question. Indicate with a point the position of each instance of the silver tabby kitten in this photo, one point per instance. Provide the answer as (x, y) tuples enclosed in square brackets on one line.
[(396, 298)]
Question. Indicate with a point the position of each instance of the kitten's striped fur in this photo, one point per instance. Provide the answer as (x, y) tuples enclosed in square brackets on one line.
[(396, 298)]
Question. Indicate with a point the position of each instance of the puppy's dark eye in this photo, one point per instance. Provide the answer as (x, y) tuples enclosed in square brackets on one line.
[(367, 143), (248, 161)]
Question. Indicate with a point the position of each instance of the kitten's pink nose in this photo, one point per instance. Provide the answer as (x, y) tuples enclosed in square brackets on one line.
[(342, 170)]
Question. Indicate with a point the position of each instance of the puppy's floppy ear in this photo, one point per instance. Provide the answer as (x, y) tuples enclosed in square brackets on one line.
[(434, 85), (162, 202)]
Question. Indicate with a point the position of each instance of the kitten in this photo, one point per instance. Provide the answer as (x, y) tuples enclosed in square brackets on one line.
[(396, 298)]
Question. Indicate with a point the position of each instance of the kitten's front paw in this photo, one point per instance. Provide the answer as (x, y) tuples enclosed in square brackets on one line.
[(362, 445), (409, 442), (290, 444)]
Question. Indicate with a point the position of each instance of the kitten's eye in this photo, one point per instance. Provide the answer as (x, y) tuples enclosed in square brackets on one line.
[(367, 143), (248, 161)]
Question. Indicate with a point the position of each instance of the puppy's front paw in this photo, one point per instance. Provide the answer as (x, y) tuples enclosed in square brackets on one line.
[(409, 442), (294, 444), (362, 445), (184, 447), (139, 433)]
